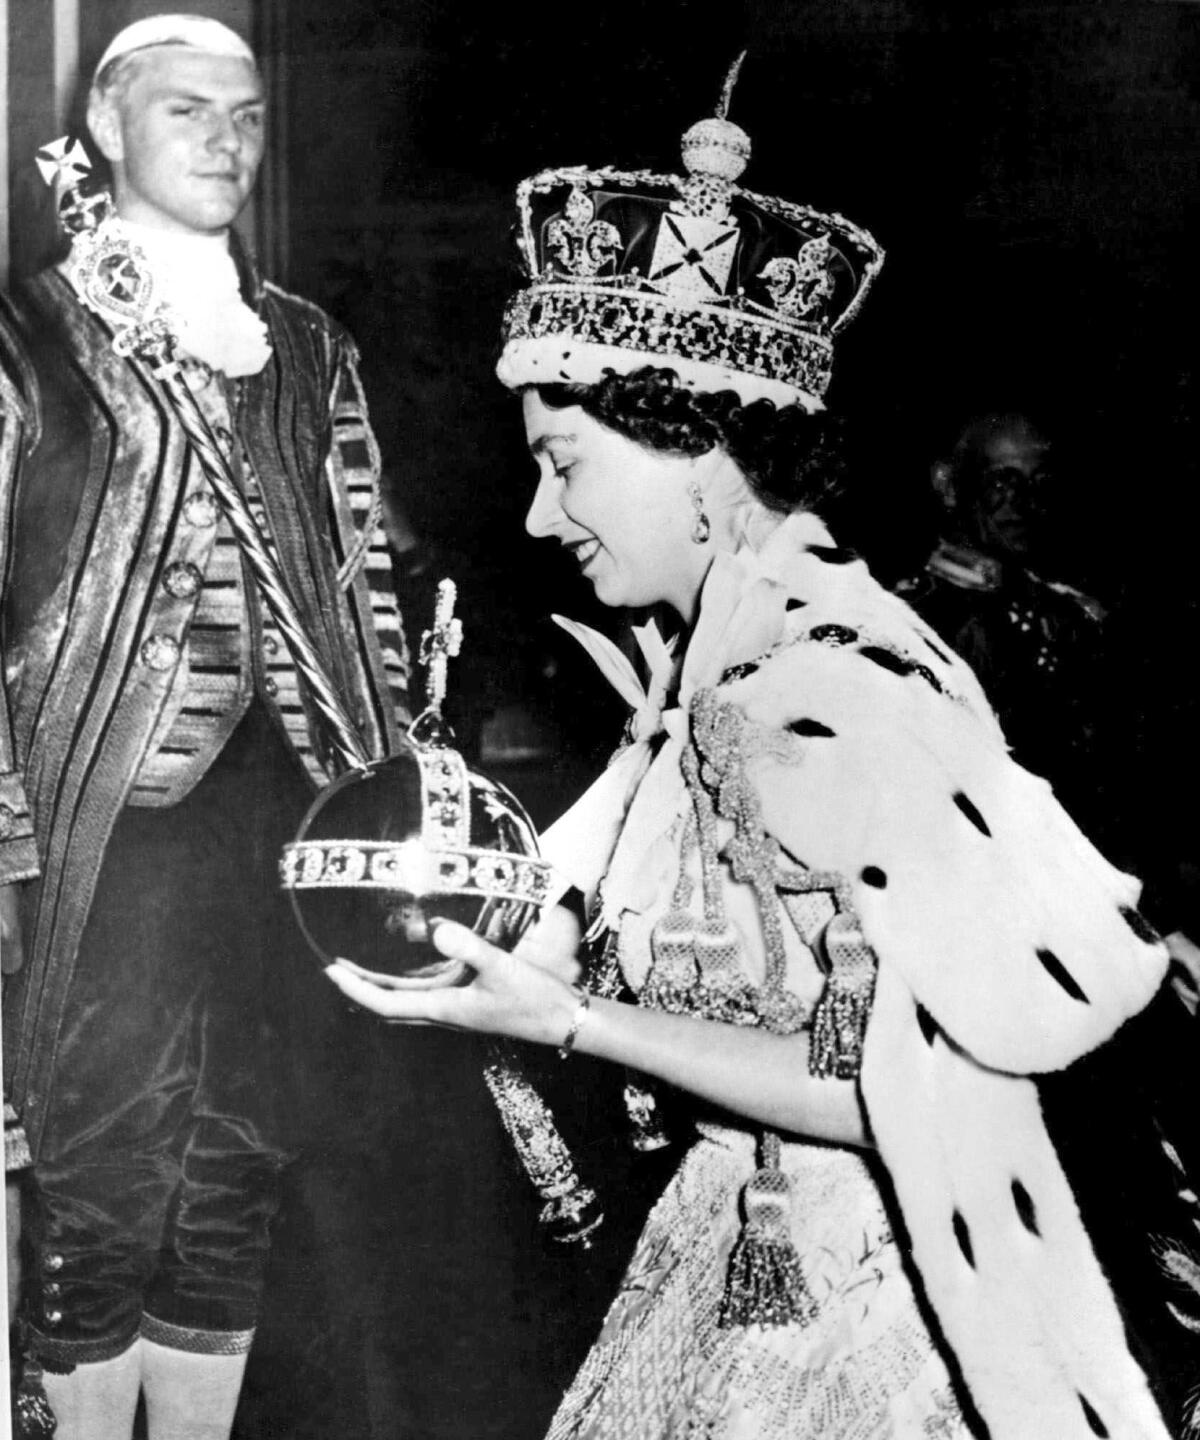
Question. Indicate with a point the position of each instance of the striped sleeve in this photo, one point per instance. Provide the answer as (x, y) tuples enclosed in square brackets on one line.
[(366, 564), (18, 851)]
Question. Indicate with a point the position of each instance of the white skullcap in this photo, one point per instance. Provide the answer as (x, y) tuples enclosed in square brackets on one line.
[(192, 32)]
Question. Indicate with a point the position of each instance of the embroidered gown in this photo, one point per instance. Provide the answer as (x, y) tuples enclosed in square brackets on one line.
[(832, 793)]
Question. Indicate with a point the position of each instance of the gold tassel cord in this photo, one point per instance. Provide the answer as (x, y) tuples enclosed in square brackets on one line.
[(840, 1020), (766, 1284), (671, 983), (728, 992)]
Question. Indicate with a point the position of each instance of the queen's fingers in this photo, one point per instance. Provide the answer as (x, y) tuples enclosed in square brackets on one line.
[(374, 977), (401, 1006), (456, 942)]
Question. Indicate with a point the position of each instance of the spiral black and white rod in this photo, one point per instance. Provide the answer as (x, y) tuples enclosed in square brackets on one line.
[(345, 738)]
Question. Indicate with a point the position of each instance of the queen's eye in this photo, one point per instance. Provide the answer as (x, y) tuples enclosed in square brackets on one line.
[(561, 463)]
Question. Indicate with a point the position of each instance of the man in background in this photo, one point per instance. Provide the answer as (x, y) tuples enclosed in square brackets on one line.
[(993, 588)]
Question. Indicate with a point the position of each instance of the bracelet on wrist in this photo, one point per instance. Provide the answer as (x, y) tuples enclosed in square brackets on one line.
[(577, 1021)]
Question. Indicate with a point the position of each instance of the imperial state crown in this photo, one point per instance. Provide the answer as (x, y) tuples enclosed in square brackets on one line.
[(731, 289)]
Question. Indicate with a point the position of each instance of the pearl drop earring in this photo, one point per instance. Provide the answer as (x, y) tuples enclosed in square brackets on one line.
[(701, 529)]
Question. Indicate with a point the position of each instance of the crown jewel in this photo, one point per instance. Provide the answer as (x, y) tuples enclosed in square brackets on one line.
[(716, 149), (731, 289)]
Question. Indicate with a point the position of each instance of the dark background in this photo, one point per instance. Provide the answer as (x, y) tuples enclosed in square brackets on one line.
[(1030, 170)]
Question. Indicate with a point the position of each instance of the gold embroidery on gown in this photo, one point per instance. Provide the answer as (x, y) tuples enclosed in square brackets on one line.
[(864, 1368)]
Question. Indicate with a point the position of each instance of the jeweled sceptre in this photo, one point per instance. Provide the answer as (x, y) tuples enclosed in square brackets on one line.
[(389, 837)]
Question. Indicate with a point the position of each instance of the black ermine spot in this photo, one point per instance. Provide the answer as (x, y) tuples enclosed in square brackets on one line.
[(962, 1234), (1025, 1207), (811, 729), (1059, 972), (968, 808), (1095, 1424)]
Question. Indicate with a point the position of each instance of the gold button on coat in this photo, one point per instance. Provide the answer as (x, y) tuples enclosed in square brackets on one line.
[(160, 652), (200, 509), (182, 580)]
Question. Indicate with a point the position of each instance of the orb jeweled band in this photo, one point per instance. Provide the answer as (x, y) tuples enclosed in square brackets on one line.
[(414, 868), (446, 803)]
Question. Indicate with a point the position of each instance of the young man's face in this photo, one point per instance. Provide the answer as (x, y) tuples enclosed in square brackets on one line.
[(185, 140)]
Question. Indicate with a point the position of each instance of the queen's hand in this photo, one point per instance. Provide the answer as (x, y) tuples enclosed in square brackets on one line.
[(525, 995)]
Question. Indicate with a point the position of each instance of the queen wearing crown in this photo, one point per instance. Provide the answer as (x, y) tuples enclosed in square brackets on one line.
[(934, 1187)]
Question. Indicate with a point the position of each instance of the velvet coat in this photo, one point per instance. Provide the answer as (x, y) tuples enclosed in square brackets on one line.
[(94, 475)]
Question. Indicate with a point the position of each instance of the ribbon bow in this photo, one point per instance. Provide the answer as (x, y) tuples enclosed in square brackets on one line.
[(645, 702)]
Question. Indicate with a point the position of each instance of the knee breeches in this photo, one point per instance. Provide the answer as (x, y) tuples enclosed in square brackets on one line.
[(156, 1182)]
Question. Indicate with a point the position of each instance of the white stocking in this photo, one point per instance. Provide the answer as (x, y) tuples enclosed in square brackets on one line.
[(189, 1397), (97, 1401)]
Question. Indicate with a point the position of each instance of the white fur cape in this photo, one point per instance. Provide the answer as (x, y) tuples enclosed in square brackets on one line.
[(1004, 941)]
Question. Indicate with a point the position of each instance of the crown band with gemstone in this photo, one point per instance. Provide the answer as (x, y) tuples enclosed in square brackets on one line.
[(731, 289), (710, 349)]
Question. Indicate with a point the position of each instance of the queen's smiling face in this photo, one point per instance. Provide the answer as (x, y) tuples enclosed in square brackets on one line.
[(622, 510)]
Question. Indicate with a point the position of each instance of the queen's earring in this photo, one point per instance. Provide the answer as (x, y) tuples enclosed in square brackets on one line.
[(701, 529)]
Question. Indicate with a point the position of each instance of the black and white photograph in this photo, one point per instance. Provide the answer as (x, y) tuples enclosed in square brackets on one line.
[(600, 719)]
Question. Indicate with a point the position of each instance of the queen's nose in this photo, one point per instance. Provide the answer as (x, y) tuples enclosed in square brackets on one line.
[(545, 510)]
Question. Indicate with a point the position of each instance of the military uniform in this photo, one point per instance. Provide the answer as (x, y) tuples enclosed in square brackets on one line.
[(1036, 646)]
